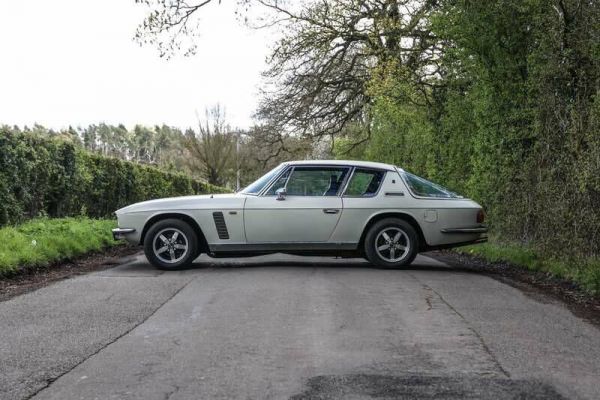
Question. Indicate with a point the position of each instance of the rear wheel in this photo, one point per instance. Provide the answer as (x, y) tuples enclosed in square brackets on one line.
[(171, 244), (391, 243)]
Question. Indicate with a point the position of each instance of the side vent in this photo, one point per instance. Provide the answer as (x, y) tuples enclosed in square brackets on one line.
[(220, 225)]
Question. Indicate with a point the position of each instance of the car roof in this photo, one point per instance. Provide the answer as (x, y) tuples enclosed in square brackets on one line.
[(353, 163)]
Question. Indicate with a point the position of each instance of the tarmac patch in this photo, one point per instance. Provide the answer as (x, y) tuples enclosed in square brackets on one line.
[(330, 387)]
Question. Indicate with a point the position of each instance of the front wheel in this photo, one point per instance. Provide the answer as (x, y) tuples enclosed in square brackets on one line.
[(391, 243), (171, 244)]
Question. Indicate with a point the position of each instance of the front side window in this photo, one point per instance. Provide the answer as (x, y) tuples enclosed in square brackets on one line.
[(315, 181), (423, 188), (279, 183), (259, 184), (364, 183)]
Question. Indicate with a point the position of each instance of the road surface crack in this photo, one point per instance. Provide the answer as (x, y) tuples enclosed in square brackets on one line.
[(172, 392), (468, 324), (51, 380)]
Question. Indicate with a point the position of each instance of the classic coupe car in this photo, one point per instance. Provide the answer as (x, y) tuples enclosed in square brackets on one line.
[(342, 208)]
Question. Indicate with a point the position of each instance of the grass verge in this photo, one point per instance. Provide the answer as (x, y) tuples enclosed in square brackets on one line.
[(585, 272), (43, 241)]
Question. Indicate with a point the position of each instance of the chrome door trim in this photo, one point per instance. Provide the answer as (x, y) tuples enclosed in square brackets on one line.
[(276, 247)]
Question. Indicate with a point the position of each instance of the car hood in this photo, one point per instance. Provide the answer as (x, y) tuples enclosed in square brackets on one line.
[(216, 201)]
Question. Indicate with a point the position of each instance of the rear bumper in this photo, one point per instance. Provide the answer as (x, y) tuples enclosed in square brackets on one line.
[(456, 237), (458, 244), (467, 230), (121, 233)]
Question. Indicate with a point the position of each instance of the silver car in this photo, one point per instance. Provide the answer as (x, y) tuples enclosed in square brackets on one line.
[(341, 208)]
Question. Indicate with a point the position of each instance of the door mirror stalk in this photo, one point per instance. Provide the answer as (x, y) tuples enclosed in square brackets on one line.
[(281, 193)]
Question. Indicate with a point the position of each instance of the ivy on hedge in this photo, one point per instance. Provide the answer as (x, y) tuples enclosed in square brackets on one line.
[(41, 176)]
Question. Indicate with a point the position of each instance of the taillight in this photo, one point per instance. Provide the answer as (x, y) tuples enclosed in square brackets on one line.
[(480, 216)]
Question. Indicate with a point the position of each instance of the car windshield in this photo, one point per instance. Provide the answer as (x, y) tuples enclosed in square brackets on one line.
[(256, 186), (423, 188)]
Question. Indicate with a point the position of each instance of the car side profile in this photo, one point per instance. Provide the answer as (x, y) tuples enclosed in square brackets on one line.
[(342, 208)]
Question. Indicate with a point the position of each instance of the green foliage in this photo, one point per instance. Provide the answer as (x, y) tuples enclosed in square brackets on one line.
[(511, 119), (41, 176), (583, 271), (41, 242)]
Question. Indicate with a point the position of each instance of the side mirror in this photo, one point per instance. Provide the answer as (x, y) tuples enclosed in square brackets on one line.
[(281, 192)]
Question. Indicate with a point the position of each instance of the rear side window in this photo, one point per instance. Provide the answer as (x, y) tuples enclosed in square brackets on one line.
[(423, 188), (364, 182)]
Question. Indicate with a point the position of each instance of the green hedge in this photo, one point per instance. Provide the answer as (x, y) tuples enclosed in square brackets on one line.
[(583, 271), (42, 242), (41, 176)]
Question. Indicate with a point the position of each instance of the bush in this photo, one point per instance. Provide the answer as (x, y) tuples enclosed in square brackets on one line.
[(41, 176), (585, 271), (512, 119), (41, 242)]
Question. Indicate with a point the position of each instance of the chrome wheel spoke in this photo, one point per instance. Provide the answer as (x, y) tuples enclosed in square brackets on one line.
[(392, 253), (174, 237), (164, 239), (180, 246), (385, 236), (397, 237), (172, 254), (162, 250), (383, 247)]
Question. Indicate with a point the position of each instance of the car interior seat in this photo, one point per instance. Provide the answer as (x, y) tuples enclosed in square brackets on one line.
[(334, 186)]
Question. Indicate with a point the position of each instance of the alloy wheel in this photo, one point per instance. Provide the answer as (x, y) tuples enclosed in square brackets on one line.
[(392, 244), (170, 245)]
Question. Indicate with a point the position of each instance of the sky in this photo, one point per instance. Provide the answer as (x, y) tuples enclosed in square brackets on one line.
[(73, 62)]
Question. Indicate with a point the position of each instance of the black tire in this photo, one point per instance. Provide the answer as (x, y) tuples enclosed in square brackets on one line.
[(186, 236), (387, 257)]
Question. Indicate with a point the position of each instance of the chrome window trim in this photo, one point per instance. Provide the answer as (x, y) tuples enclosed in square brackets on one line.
[(345, 186)]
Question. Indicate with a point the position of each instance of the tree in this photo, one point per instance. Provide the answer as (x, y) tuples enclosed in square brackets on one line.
[(212, 149), (320, 70), (89, 138), (263, 147), (171, 25)]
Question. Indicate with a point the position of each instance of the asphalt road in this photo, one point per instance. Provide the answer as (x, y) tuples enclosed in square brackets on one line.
[(282, 327)]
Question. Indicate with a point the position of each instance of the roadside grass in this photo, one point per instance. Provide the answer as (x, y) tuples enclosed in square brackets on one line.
[(44, 241), (585, 272)]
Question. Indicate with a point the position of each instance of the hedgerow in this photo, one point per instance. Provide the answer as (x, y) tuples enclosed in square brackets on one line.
[(42, 176), (511, 119), (43, 241)]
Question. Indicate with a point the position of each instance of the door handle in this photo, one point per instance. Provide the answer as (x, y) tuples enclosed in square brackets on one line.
[(331, 210)]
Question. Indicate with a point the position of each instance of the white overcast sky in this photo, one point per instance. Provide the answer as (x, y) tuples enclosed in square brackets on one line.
[(73, 62)]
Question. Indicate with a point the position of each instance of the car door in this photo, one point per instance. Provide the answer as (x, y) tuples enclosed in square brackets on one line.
[(308, 212)]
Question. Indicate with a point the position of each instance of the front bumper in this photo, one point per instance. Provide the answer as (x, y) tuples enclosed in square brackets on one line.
[(121, 233)]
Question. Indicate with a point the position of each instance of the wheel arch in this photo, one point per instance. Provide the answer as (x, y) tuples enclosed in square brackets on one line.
[(394, 214), (203, 244)]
